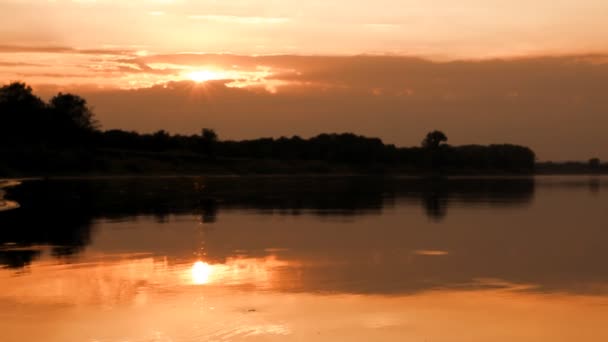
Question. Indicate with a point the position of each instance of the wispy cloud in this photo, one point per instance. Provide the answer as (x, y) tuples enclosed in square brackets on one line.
[(383, 27), (60, 49), (241, 19), (52, 75), (21, 64)]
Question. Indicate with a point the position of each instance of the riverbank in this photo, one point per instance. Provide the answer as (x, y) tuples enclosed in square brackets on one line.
[(84, 162), (87, 162)]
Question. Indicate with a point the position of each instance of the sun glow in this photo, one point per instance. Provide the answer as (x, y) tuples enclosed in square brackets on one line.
[(204, 75), (201, 271)]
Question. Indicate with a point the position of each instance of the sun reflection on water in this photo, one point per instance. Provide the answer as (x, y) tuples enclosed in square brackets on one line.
[(260, 272), (201, 271)]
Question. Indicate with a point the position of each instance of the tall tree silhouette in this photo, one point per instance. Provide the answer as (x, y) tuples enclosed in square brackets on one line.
[(434, 139), (208, 142), (74, 110), (21, 113)]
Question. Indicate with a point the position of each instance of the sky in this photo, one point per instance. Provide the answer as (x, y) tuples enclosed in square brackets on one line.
[(525, 72)]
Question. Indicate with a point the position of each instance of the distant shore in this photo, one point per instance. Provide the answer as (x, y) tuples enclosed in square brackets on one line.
[(62, 137)]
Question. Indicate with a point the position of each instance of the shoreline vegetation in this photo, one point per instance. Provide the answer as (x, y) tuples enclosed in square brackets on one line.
[(62, 138)]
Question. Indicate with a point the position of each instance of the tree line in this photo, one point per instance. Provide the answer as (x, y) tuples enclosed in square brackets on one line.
[(67, 123)]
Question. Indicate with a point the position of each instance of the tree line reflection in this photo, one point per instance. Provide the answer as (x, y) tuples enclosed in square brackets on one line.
[(61, 213)]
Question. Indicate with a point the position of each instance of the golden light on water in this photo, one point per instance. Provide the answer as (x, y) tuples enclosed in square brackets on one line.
[(201, 271), (260, 272)]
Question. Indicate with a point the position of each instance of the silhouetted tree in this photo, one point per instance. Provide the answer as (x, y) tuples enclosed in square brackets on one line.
[(434, 139), (21, 114), (160, 140), (208, 142), (209, 134), (75, 111), (435, 157), (71, 121)]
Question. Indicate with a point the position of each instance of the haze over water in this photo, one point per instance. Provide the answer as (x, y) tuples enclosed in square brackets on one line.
[(310, 259)]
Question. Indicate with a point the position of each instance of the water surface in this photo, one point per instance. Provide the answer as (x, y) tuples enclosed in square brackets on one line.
[(305, 259)]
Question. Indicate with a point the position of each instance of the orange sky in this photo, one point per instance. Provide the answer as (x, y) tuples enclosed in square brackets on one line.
[(467, 28), (129, 58)]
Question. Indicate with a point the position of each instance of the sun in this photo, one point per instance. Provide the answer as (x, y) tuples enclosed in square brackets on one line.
[(204, 75)]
